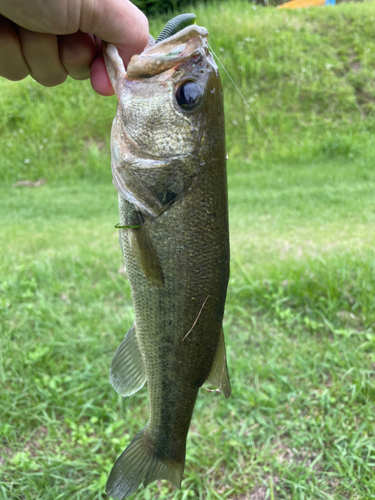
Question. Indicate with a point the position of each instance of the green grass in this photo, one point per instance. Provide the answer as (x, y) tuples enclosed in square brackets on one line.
[(300, 314)]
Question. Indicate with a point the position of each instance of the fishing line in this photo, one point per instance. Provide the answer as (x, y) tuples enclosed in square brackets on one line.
[(251, 110)]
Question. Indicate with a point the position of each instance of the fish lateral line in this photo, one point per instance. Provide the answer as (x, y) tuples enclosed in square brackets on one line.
[(117, 226), (196, 319)]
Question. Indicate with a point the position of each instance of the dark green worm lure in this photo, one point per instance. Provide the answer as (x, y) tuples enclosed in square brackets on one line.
[(175, 25)]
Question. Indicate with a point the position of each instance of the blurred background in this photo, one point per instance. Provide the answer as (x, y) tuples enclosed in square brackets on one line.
[(300, 313)]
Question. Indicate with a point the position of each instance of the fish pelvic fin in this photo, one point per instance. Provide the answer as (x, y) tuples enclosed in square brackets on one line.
[(128, 372), (219, 375), (140, 463)]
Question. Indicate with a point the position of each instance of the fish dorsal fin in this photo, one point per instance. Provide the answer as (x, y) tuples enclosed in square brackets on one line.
[(128, 372), (219, 371)]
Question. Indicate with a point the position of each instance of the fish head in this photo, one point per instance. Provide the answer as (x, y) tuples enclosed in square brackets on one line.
[(167, 95)]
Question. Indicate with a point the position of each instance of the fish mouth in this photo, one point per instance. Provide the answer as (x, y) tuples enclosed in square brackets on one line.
[(169, 53)]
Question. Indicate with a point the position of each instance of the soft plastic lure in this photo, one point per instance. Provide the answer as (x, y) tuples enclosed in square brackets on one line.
[(175, 25)]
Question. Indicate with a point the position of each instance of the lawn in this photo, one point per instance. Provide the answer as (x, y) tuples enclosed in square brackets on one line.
[(300, 314)]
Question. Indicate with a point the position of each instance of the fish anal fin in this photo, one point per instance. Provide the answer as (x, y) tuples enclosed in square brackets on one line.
[(138, 464), (128, 372), (218, 375)]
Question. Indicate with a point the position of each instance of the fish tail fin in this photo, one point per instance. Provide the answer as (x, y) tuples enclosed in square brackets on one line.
[(140, 463)]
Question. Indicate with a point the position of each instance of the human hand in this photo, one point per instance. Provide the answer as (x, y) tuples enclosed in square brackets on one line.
[(51, 39)]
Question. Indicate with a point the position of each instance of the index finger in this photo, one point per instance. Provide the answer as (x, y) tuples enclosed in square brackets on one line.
[(118, 22)]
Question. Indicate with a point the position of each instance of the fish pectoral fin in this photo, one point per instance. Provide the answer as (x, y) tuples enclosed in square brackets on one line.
[(219, 371), (146, 256), (128, 372), (140, 463), (140, 243)]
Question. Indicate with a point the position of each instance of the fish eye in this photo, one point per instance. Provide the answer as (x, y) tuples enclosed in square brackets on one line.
[(189, 95)]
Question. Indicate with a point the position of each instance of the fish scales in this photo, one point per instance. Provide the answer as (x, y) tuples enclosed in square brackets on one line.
[(169, 167)]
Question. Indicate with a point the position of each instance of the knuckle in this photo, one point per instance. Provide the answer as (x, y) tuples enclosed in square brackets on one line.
[(83, 75), (51, 80), (14, 74)]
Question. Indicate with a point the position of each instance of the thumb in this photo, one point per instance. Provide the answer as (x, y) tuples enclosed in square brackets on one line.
[(116, 21)]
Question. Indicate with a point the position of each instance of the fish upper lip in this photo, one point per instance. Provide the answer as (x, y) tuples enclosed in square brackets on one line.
[(157, 58), (180, 35)]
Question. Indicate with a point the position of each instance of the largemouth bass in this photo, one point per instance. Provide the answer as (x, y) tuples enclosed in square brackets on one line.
[(169, 169)]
